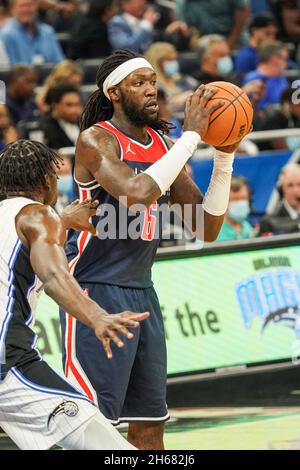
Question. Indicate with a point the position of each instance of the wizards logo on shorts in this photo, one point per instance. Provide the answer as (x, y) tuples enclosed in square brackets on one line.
[(272, 296)]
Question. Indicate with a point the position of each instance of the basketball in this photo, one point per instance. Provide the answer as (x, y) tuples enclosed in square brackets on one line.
[(231, 122)]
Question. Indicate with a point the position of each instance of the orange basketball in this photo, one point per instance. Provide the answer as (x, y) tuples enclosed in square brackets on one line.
[(233, 120)]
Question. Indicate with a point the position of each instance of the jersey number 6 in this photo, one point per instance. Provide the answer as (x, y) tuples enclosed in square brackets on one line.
[(148, 230)]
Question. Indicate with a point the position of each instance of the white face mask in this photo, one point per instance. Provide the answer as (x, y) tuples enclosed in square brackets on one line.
[(225, 65), (239, 210), (171, 67)]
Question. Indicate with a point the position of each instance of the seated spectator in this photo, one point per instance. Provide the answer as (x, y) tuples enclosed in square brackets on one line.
[(26, 39), (133, 28), (227, 18), (290, 17), (66, 72), (8, 132), (263, 30), (163, 57), (168, 29), (166, 115), (273, 59), (61, 125), (89, 33), (4, 13), (20, 93), (287, 116), (286, 216), (4, 60), (215, 62), (260, 6), (60, 14), (64, 184), (235, 225)]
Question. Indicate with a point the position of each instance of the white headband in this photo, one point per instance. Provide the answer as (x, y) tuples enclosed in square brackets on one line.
[(123, 71)]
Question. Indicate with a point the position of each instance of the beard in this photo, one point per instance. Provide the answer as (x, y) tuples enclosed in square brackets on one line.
[(137, 117)]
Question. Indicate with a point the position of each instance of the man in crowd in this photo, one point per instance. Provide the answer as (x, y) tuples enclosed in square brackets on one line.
[(227, 18), (273, 58), (60, 126), (263, 30), (133, 28), (26, 39), (19, 97), (285, 218)]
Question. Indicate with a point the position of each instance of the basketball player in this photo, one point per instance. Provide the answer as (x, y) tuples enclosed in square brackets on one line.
[(38, 408), (122, 153)]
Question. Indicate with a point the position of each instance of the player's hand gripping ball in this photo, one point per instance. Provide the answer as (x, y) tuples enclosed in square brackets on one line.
[(231, 122)]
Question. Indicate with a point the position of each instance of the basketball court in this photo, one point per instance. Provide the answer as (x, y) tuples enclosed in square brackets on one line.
[(253, 428)]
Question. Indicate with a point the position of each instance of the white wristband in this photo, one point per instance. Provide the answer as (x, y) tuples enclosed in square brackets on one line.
[(217, 195), (165, 171)]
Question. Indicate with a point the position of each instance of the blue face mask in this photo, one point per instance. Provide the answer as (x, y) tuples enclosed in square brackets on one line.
[(65, 186), (225, 65), (171, 67), (239, 210)]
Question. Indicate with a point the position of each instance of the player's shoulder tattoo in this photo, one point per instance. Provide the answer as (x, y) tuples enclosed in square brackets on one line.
[(95, 137)]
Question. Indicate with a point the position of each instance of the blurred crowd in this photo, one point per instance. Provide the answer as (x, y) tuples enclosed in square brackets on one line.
[(50, 51)]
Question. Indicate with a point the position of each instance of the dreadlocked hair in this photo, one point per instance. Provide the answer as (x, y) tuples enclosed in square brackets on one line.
[(24, 165), (99, 107)]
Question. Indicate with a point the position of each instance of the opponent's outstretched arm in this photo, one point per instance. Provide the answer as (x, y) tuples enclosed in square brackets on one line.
[(42, 232)]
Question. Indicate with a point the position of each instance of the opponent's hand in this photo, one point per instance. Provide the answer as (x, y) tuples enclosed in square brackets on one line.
[(108, 328), (196, 116), (77, 214)]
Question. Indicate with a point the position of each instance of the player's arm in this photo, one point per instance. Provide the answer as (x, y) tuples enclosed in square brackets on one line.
[(207, 213), (97, 151), (43, 234)]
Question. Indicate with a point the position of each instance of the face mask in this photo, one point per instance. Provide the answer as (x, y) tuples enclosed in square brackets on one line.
[(239, 210), (65, 186), (225, 65), (171, 67)]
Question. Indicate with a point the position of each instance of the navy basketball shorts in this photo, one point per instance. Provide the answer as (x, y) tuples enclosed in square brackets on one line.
[(130, 387)]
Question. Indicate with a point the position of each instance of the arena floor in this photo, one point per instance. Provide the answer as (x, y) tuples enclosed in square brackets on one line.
[(254, 428)]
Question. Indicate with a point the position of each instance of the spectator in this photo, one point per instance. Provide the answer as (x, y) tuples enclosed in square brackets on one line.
[(133, 28), (4, 60), (4, 13), (260, 6), (20, 93), (290, 17), (60, 14), (64, 184), (215, 60), (166, 115), (60, 126), (89, 33), (168, 29), (286, 216), (273, 59), (8, 132), (26, 39), (66, 72), (263, 30), (163, 57), (224, 17), (235, 225), (286, 117)]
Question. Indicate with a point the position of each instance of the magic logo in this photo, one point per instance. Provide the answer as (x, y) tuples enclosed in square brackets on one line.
[(273, 296)]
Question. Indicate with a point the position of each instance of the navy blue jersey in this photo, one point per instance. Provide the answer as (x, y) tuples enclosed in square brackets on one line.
[(123, 252)]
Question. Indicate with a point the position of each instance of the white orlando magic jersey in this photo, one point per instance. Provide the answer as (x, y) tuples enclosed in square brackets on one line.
[(18, 291)]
